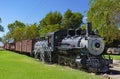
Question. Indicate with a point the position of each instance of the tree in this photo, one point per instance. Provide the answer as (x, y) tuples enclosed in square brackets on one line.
[(0, 39), (16, 30), (18, 34), (1, 27), (50, 23), (54, 21), (31, 31), (72, 20), (19, 31), (103, 15), (12, 26)]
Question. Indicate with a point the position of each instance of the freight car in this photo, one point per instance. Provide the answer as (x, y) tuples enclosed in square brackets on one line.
[(24, 46), (69, 47), (9, 46)]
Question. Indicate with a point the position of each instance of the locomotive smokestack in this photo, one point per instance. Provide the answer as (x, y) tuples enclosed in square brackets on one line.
[(89, 29)]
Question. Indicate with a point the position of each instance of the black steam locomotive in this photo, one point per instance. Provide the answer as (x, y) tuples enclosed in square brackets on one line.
[(72, 48)]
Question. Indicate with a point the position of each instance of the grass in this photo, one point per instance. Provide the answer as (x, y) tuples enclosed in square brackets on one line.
[(116, 57), (16, 66)]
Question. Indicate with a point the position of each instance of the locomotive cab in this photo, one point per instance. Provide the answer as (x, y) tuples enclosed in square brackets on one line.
[(55, 38)]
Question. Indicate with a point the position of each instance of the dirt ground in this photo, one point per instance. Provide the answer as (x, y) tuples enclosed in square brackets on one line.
[(114, 70)]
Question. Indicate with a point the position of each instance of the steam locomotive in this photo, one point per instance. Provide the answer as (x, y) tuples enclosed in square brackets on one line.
[(70, 47)]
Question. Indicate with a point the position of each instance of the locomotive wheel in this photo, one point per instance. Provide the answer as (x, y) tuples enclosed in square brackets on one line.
[(72, 64), (92, 70), (60, 60), (79, 66), (66, 63)]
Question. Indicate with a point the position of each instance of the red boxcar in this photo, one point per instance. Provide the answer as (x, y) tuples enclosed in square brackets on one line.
[(24, 46), (5, 45), (18, 46), (12, 46), (30, 45)]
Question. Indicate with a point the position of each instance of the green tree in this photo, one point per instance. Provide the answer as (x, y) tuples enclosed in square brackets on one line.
[(17, 23), (1, 27), (50, 23), (16, 30), (72, 19), (19, 31), (31, 31), (18, 34), (103, 15)]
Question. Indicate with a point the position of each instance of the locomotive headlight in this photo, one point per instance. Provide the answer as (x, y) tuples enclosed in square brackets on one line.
[(96, 44)]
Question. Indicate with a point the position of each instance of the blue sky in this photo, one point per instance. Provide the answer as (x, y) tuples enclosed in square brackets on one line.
[(31, 11)]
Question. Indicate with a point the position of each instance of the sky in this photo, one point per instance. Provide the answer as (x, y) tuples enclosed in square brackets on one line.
[(32, 11)]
